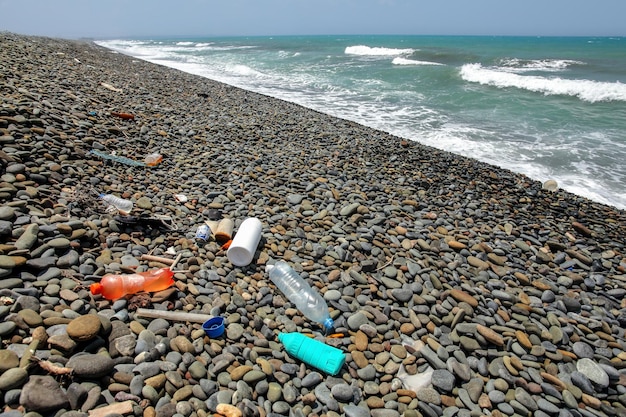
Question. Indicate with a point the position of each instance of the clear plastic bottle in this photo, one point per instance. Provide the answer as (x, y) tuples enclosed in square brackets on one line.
[(299, 292), (121, 204), (113, 286)]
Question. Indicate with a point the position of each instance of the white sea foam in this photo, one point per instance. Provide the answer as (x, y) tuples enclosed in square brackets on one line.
[(376, 51), (404, 61), (545, 65), (370, 103), (244, 70), (586, 90), (184, 43)]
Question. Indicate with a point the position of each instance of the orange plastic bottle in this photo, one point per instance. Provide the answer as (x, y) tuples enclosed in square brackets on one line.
[(113, 286)]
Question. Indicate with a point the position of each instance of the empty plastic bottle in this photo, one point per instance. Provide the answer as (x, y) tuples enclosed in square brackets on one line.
[(121, 204), (299, 292), (113, 286)]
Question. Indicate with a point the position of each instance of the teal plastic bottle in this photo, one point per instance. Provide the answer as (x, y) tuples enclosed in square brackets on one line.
[(313, 352)]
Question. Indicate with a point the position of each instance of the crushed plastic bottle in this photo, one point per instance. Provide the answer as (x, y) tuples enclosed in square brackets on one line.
[(114, 286), (121, 204), (299, 292)]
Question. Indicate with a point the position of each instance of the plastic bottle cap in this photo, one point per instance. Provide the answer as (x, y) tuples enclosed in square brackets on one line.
[(214, 327), (268, 268), (328, 324), (96, 288)]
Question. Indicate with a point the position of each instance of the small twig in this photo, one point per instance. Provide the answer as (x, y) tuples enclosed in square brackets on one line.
[(385, 265), (173, 315), (180, 255), (52, 368), (160, 259)]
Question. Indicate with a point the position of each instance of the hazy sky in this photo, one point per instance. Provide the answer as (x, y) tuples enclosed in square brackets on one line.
[(133, 18)]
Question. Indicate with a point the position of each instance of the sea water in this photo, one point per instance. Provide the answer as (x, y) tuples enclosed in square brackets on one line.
[(547, 107)]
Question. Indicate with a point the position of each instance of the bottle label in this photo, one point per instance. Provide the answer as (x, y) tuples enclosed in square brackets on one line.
[(203, 232)]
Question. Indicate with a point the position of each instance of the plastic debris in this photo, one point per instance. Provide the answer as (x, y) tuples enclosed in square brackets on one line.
[(110, 87), (125, 116), (117, 158)]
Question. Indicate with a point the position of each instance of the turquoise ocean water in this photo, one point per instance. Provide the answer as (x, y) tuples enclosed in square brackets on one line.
[(550, 108)]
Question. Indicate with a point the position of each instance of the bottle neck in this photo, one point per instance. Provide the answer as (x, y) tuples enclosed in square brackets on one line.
[(328, 324)]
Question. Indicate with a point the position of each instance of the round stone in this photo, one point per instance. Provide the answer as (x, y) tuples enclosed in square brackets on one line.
[(84, 328)]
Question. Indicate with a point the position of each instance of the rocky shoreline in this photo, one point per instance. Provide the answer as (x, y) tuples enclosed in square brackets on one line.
[(457, 288)]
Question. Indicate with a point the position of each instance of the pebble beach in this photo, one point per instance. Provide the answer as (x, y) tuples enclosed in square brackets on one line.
[(456, 288)]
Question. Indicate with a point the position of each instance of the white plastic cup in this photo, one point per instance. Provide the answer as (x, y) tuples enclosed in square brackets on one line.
[(245, 242)]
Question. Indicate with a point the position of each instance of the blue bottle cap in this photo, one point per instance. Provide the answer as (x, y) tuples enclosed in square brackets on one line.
[(214, 327), (328, 324)]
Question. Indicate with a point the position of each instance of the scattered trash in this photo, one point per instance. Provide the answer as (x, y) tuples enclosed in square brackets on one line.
[(121, 204), (110, 87), (153, 159), (181, 198), (116, 158), (114, 286), (243, 246), (299, 292), (550, 185), (203, 233), (160, 259), (417, 381), (125, 116), (224, 231), (214, 327), (173, 315), (313, 352)]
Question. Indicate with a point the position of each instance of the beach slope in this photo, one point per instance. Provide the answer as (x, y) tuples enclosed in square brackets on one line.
[(456, 288)]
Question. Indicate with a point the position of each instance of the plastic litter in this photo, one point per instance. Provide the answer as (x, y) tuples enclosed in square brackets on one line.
[(117, 158), (125, 116), (114, 286), (121, 204), (242, 248), (299, 292), (550, 185), (214, 327), (224, 231), (313, 352), (153, 159)]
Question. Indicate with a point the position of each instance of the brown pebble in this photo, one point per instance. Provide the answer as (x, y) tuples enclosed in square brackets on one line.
[(359, 359), (84, 328), (490, 335), (361, 341), (462, 296), (523, 339), (228, 410), (457, 245)]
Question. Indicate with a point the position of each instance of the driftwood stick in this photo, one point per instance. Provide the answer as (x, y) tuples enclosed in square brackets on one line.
[(154, 258), (180, 255), (173, 315)]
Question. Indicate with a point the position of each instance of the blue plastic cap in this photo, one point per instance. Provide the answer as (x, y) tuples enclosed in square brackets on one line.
[(328, 324), (214, 327)]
